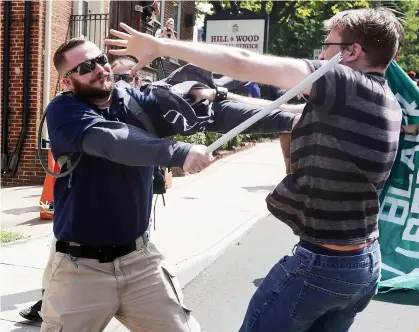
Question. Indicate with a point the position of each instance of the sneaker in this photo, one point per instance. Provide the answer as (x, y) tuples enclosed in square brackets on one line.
[(32, 313)]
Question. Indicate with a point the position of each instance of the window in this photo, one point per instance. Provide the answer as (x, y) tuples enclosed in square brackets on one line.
[(176, 17), (85, 11), (161, 12)]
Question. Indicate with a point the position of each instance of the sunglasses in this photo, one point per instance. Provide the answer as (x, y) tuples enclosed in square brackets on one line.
[(124, 77), (88, 66)]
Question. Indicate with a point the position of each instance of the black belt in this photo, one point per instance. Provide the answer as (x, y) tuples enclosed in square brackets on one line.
[(103, 254)]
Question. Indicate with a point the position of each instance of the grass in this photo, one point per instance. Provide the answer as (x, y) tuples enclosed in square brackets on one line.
[(8, 236)]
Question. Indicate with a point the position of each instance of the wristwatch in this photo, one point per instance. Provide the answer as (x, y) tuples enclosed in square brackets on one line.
[(220, 94)]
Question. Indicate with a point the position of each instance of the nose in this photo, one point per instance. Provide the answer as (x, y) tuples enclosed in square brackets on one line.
[(321, 56), (99, 68)]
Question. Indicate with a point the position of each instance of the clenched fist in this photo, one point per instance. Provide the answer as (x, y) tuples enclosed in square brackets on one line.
[(197, 159), (202, 94)]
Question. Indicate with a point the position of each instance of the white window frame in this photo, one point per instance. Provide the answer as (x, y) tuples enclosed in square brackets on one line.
[(177, 31), (78, 10), (179, 15), (161, 14)]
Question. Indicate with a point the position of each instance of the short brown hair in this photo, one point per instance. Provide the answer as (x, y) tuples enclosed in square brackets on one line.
[(377, 30), (127, 62), (59, 55)]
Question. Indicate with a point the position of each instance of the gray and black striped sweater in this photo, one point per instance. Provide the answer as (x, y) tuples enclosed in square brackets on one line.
[(342, 152)]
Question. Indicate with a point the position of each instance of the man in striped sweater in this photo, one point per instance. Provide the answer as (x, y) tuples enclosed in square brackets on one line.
[(342, 151)]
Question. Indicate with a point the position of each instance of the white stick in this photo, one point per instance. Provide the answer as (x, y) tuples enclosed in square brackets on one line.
[(304, 84)]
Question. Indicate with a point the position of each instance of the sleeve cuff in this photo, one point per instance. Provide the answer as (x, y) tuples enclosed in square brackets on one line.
[(180, 151)]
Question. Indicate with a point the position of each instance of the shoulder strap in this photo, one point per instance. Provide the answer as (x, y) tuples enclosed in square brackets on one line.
[(132, 104)]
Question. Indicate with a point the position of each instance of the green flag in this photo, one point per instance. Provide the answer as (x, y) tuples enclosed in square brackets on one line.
[(399, 213)]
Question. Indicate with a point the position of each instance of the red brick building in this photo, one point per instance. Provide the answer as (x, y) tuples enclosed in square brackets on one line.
[(47, 25)]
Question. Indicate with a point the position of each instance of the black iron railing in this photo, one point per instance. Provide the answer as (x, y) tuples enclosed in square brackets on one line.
[(93, 27), (157, 63)]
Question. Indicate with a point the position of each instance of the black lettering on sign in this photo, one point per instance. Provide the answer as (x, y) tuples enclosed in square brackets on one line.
[(250, 38)]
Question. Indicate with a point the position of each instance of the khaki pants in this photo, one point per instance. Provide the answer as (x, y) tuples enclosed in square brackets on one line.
[(46, 277), (139, 289)]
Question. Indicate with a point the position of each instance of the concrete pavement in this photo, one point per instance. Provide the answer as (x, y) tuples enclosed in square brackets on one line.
[(235, 276), (204, 214)]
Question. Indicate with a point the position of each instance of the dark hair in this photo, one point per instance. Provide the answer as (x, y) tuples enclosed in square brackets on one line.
[(127, 62), (59, 55), (377, 30)]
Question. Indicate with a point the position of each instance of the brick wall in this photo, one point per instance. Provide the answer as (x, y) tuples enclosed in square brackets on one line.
[(106, 7), (61, 12), (188, 7), (29, 171)]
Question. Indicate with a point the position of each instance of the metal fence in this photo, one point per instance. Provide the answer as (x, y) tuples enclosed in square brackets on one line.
[(158, 62), (93, 27)]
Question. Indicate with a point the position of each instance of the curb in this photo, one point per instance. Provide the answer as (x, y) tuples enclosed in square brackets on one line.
[(189, 268), (227, 153)]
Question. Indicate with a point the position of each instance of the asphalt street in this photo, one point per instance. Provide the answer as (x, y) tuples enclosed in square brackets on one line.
[(220, 294)]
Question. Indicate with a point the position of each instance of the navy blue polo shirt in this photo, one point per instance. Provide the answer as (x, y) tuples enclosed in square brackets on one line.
[(105, 203), (253, 89)]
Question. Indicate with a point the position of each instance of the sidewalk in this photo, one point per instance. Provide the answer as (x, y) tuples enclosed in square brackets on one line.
[(204, 214)]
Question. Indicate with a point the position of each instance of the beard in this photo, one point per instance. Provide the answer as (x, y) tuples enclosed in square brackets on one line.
[(89, 92)]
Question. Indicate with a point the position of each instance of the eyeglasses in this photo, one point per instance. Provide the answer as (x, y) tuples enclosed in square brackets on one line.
[(125, 77), (88, 66), (326, 45)]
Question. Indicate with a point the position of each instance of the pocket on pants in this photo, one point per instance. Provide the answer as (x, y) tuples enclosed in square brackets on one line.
[(51, 327), (170, 275), (313, 301)]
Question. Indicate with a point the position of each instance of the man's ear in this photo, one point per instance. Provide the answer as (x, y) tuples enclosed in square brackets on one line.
[(67, 83), (353, 52)]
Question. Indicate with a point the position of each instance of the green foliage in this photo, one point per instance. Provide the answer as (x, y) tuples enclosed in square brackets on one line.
[(209, 138), (235, 142), (304, 31), (212, 137), (8, 236), (409, 55), (193, 139)]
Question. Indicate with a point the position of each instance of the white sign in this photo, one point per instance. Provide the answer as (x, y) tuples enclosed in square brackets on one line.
[(247, 34)]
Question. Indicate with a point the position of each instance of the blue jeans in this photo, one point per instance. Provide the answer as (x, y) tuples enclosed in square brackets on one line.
[(314, 292)]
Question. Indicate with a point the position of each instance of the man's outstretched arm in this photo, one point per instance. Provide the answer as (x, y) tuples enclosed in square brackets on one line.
[(233, 62), (128, 145), (238, 63), (236, 109), (209, 94)]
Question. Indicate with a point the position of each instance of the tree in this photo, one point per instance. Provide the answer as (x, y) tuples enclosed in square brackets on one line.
[(304, 31), (409, 55)]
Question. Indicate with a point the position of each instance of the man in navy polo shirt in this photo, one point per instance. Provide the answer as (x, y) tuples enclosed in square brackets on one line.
[(105, 266)]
